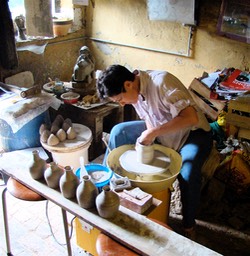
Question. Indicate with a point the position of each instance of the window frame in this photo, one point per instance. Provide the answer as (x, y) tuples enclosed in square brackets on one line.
[(76, 28)]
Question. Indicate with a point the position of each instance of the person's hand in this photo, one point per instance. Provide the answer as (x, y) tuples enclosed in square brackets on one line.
[(147, 137)]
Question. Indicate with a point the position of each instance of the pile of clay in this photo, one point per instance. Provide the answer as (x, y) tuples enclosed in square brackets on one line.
[(60, 130)]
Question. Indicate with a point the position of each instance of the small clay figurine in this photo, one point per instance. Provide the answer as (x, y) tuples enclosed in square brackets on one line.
[(84, 70), (20, 22)]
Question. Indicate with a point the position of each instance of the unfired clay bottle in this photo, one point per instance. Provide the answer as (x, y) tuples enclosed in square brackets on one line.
[(68, 183), (107, 203), (37, 166), (53, 174), (86, 193)]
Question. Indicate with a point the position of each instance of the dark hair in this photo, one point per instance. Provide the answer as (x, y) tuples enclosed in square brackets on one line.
[(111, 81)]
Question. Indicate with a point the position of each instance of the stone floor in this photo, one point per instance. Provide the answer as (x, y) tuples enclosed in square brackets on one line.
[(36, 228), (222, 223), (217, 236), (31, 234)]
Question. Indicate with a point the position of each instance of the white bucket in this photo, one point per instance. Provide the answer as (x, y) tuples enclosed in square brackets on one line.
[(69, 152)]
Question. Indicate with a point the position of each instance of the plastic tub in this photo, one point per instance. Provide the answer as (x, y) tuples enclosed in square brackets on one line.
[(26, 137), (92, 169)]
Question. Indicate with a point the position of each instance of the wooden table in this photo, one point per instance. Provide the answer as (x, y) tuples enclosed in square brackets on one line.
[(129, 228)]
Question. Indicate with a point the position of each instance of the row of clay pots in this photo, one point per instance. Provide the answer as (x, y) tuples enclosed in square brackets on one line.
[(107, 202)]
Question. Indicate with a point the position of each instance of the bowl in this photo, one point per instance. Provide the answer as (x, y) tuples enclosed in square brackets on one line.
[(100, 174), (70, 97)]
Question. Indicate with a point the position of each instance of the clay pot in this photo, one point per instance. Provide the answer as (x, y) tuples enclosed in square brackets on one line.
[(61, 135), (37, 166), (71, 134), (86, 193), (59, 120), (45, 135), (61, 27), (53, 174), (53, 140), (107, 203), (145, 154), (68, 183)]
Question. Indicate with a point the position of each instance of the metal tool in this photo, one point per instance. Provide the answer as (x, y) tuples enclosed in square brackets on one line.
[(106, 143)]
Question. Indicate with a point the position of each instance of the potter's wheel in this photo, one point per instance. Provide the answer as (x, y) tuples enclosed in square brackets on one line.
[(159, 164), (149, 183), (163, 172)]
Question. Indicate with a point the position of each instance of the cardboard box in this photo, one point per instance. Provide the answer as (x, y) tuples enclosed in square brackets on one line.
[(134, 203), (86, 236)]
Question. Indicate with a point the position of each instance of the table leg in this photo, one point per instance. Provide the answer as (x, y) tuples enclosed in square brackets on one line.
[(65, 223), (6, 225)]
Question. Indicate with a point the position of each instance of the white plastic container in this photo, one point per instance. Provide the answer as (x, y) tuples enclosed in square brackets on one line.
[(69, 152)]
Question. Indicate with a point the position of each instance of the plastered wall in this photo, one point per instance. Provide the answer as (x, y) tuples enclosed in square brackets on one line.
[(56, 61), (119, 31), (125, 22)]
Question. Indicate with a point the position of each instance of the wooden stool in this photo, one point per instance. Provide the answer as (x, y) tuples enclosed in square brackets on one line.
[(20, 191), (106, 246)]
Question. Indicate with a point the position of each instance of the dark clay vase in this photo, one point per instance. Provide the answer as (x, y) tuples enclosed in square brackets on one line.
[(53, 174), (107, 203), (37, 166), (68, 183), (86, 193)]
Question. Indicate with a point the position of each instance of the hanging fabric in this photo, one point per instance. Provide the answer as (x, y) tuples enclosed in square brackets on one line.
[(8, 53)]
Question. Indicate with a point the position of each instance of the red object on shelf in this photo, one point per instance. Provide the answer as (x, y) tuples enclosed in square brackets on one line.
[(70, 97), (237, 80), (213, 95)]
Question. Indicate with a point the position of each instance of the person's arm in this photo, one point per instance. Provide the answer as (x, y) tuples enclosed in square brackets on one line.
[(186, 118)]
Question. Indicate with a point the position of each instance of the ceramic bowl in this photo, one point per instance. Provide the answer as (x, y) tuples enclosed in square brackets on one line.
[(70, 97)]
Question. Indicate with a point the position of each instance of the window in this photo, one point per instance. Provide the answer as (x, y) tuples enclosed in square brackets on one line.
[(33, 19), (234, 20)]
